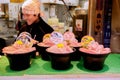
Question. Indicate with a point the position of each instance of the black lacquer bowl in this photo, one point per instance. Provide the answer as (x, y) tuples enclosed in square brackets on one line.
[(60, 61), (19, 61), (76, 55), (42, 51), (94, 61)]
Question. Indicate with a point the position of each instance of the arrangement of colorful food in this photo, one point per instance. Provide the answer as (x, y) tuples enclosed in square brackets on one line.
[(23, 44), (61, 48), (46, 41), (89, 45), (94, 54), (60, 52), (69, 37), (19, 53), (42, 46)]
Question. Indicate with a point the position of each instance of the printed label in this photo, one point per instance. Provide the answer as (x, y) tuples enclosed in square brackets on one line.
[(56, 37), (68, 35), (79, 25)]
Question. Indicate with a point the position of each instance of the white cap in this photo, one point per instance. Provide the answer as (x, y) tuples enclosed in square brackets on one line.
[(31, 7)]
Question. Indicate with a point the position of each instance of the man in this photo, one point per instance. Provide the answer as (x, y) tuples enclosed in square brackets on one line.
[(35, 25)]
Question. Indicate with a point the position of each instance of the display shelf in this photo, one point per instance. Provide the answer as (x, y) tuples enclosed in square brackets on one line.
[(41, 67)]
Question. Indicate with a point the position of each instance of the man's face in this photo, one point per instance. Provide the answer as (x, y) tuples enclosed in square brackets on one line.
[(30, 18)]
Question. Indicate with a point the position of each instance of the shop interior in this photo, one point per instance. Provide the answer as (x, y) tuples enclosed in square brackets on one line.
[(99, 19)]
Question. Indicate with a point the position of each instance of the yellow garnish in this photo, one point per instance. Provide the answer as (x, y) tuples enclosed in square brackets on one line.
[(19, 42), (60, 45)]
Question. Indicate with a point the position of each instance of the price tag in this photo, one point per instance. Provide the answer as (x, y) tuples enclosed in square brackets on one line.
[(56, 37), (86, 40), (69, 35), (24, 37), (25, 33), (46, 36)]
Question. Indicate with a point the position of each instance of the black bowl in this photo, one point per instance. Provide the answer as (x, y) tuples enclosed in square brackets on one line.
[(94, 61), (60, 61), (42, 51), (76, 55), (33, 54), (19, 62)]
